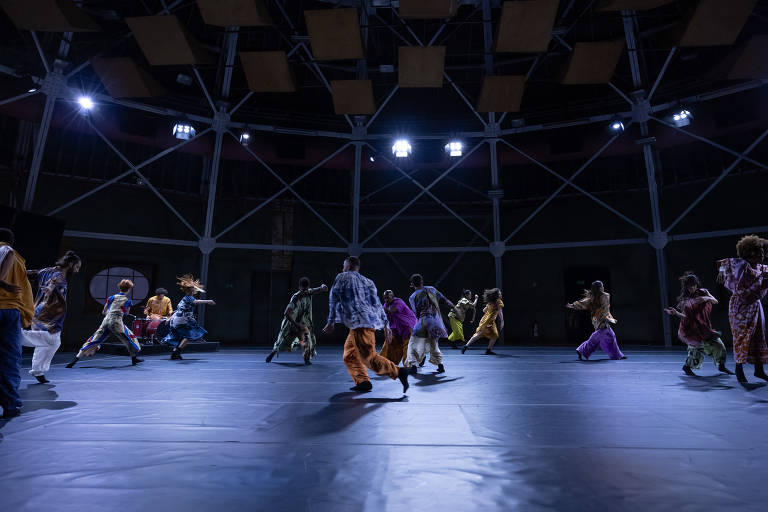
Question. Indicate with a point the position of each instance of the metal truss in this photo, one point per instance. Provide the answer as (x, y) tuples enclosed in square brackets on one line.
[(55, 87)]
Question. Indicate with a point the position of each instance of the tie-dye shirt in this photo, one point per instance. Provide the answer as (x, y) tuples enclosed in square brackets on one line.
[(426, 303), (354, 302)]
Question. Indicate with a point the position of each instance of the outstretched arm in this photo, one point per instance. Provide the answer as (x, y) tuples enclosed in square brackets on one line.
[(320, 289), (204, 302)]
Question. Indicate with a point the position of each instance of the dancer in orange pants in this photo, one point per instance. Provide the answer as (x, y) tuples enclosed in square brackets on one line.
[(354, 301)]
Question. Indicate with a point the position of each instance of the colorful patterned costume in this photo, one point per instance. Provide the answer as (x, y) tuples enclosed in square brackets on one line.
[(354, 301), (298, 334), (117, 306), (50, 312), (430, 327), (401, 321), (603, 337), (696, 331), (745, 311), (183, 323)]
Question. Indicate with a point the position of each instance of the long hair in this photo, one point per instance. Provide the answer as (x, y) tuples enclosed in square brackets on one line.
[(491, 295), (594, 294), (67, 261), (687, 279)]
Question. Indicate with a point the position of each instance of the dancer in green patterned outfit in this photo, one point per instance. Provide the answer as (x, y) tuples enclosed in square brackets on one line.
[(296, 328)]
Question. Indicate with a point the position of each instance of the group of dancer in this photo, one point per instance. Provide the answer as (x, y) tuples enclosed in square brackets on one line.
[(411, 330)]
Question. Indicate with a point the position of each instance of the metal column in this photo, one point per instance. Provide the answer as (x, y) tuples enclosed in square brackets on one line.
[(658, 238), (356, 199), (37, 158), (496, 194)]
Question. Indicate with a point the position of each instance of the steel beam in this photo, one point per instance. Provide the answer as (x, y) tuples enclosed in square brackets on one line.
[(434, 182), (278, 193), (291, 189), (40, 51), (567, 182), (496, 212), (129, 238), (435, 198), (661, 73), (18, 97), (355, 199), (37, 158), (126, 173), (718, 234), (718, 180)]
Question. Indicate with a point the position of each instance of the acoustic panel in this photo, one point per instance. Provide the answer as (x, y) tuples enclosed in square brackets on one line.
[(501, 93), (635, 5), (752, 62), (420, 66), (525, 26), (716, 22), (243, 13), (427, 9), (334, 34), (166, 42), (267, 71), (593, 63), (124, 78), (353, 97), (48, 16)]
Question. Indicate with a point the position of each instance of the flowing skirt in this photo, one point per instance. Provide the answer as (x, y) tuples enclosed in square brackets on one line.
[(605, 339)]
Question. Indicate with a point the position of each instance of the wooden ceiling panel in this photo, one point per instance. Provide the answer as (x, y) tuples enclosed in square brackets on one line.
[(334, 34), (353, 97), (501, 93), (420, 66), (526, 26)]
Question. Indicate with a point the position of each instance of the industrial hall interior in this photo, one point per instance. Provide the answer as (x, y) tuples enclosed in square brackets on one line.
[(383, 255)]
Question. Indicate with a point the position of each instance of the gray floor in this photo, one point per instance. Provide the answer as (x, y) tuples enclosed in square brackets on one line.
[(531, 429)]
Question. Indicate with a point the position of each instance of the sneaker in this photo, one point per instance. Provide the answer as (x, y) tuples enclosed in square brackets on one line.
[(402, 374), (11, 413), (363, 387)]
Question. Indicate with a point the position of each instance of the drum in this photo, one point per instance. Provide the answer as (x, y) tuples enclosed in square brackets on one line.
[(161, 330), (140, 327)]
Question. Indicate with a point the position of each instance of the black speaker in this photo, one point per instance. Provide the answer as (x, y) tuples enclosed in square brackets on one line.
[(38, 237)]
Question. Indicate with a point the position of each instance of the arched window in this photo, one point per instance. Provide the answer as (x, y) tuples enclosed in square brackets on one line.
[(104, 284)]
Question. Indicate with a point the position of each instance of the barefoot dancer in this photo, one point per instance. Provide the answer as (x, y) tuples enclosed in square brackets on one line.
[(693, 308), (183, 324), (747, 279), (354, 302), (50, 312), (296, 329), (117, 305), (487, 328), (401, 321), (458, 314), (598, 303)]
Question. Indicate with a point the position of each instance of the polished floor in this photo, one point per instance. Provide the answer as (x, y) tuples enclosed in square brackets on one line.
[(530, 429)]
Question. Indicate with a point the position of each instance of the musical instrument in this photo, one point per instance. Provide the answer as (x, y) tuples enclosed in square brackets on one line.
[(140, 328)]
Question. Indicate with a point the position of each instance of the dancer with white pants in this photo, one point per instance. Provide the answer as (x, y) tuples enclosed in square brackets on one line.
[(425, 301)]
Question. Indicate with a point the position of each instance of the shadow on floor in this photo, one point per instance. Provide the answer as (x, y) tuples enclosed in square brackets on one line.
[(586, 361), (290, 365), (707, 383), (432, 379), (343, 411)]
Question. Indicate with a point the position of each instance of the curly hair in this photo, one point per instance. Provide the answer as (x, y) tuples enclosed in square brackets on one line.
[(749, 246), (125, 285)]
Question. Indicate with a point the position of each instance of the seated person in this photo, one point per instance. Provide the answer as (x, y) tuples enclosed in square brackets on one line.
[(159, 306)]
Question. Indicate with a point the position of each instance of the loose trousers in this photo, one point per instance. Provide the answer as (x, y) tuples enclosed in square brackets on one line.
[(360, 351), (46, 344), (417, 349), (10, 359), (713, 347), (397, 349), (457, 330)]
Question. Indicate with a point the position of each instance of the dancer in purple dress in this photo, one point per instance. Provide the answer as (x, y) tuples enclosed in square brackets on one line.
[(598, 303)]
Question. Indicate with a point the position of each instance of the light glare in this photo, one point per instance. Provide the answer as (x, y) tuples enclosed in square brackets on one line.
[(401, 148), (454, 148), (85, 102)]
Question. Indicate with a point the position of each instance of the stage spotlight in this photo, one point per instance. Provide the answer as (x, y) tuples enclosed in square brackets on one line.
[(682, 118), (34, 89), (183, 130), (372, 158), (85, 102), (401, 148), (454, 148), (617, 126), (245, 138)]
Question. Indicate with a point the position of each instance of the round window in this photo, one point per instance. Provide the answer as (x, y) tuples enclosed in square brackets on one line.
[(104, 284)]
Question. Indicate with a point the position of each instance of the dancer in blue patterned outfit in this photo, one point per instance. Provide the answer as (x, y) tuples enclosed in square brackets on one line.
[(117, 305), (183, 324), (425, 301)]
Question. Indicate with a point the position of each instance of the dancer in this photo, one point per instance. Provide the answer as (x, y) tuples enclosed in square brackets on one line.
[(16, 311), (693, 308), (296, 328), (487, 328), (354, 302), (458, 314), (50, 312), (401, 321), (747, 279), (425, 301), (159, 306), (598, 303), (117, 305), (183, 324)]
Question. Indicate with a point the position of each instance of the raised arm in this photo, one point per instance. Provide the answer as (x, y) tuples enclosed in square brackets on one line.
[(320, 289)]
